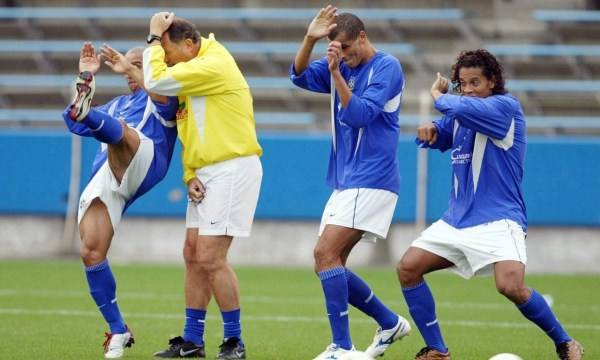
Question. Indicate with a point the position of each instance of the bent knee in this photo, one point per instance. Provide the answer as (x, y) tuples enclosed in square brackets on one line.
[(408, 272), (517, 293), (210, 265), (90, 256), (325, 259), (189, 254)]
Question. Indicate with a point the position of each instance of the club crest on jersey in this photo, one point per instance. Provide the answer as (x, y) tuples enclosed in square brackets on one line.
[(351, 82), (181, 112)]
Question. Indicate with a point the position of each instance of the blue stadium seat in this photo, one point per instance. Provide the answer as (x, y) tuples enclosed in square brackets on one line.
[(567, 15), (34, 81), (211, 14), (537, 122), (236, 47), (543, 50), (54, 115), (554, 85), (280, 83), (307, 119), (33, 115)]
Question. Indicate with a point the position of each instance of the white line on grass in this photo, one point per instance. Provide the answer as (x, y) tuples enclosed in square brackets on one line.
[(297, 319), (275, 300)]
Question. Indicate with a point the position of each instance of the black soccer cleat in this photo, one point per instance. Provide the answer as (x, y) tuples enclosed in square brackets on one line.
[(231, 349), (179, 348)]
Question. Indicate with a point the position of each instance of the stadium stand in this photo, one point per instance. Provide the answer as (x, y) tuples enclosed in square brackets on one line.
[(554, 76), (543, 50)]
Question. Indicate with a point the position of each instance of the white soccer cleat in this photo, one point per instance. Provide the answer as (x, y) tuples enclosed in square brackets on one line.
[(115, 344), (333, 352), (356, 355), (83, 93), (384, 338)]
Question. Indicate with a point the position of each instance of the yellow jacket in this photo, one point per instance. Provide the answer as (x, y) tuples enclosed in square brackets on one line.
[(215, 119)]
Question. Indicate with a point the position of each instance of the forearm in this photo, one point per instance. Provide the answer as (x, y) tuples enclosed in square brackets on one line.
[(138, 76), (302, 58), (435, 94), (342, 88)]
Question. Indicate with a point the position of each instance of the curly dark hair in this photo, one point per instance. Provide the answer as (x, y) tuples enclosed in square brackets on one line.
[(483, 59)]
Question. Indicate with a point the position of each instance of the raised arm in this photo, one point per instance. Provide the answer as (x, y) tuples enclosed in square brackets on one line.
[(319, 28), (491, 116), (88, 60), (119, 63), (383, 94)]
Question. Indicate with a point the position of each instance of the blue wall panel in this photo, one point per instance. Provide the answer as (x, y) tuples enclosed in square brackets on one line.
[(562, 181), (35, 172), (561, 186)]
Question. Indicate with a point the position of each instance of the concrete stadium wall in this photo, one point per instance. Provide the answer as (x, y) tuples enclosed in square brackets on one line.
[(284, 243)]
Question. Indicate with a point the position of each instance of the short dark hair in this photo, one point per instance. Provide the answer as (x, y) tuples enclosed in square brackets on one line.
[(483, 59), (348, 23), (182, 29)]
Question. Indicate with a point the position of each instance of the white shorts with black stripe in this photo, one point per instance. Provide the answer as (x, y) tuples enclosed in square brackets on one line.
[(474, 250), (370, 210)]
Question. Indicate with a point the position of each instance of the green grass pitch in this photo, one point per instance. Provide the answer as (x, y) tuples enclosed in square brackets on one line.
[(47, 313)]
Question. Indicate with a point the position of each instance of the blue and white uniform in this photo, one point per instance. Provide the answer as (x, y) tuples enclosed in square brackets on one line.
[(157, 129), (363, 165), (486, 218)]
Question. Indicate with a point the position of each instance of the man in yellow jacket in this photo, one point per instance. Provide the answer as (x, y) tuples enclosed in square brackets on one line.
[(222, 170)]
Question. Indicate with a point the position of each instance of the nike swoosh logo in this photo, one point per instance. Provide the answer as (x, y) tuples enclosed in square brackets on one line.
[(390, 339), (239, 354), (213, 222), (186, 353)]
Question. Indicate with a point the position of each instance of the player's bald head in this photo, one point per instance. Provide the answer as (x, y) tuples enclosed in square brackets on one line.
[(137, 52), (135, 56)]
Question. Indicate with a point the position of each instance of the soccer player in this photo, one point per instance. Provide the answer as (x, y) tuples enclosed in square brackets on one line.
[(365, 86), (137, 135), (484, 228), (221, 169)]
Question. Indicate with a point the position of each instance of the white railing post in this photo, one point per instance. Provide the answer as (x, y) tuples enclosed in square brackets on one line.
[(421, 195), (70, 228)]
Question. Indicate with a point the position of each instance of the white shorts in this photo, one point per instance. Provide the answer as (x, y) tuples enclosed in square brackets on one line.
[(365, 209), (474, 250), (106, 187), (228, 207)]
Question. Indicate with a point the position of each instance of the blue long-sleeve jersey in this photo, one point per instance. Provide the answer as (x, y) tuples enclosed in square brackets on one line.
[(365, 133), (487, 137), (153, 119)]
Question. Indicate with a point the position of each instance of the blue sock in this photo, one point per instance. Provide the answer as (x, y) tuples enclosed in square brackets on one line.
[(362, 297), (537, 310), (422, 309), (105, 128), (335, 288), (103, 289), (231, 324), (194, 326)]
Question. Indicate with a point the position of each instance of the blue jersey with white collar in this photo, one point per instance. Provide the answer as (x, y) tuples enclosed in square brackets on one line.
[(365, 133), (487, 138), (153, 119)]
